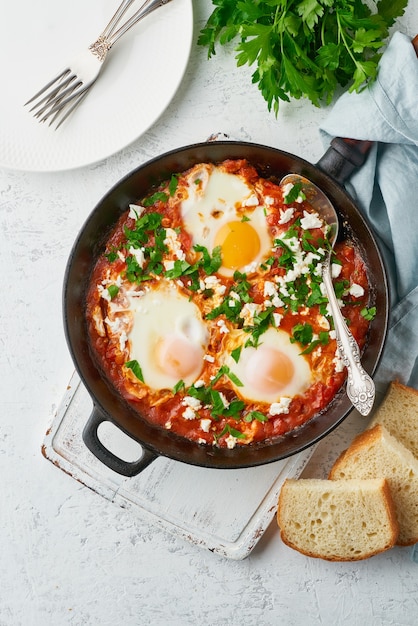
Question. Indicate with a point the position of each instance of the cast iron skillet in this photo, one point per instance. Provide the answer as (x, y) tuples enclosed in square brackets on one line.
[(332, 169)]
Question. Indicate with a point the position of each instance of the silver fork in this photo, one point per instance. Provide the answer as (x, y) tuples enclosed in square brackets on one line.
[(58, 98)]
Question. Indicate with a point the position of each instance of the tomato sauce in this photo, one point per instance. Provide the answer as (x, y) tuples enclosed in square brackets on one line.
[(165, 407)]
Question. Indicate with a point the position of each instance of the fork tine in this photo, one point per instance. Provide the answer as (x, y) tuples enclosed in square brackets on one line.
[(47, 86), (52, 96), (62, 100), (78, 99)]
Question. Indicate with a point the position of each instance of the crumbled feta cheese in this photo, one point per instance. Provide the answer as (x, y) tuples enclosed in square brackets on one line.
[(189, 414), (248, 311), (270, 289), (286, 189), (98, 323), (205, 425), (224, 400), (310, 220), (335, 269), (277, 302), (114, 325), (123, 338), (103, 292), (251, 201), (231, 442), (199, 383), (310, 257), (168, 265), (222, 327), (356, 290), (209, 358), (277, 319), (173, 244), (192, 402), (281, 407), (283, 290), (286, 215), (323, 322), (269, 200), (211, 281), (138, 254), (135, 211), (293, 243), (339, 363)]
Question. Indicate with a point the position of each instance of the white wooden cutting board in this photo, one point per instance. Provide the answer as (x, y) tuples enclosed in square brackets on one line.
[(226, 511)]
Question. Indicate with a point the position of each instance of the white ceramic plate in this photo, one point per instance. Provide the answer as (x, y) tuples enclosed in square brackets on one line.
[(140, 77)]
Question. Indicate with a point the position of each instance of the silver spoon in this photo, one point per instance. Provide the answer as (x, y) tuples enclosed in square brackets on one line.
[(360, 386)]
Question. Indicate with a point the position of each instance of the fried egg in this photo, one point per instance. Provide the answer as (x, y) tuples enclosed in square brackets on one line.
[(273, 370), (222, 210), (168, 337)]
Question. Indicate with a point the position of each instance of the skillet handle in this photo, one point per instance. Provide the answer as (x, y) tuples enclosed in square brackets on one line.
[(343, 157), (113, 462)]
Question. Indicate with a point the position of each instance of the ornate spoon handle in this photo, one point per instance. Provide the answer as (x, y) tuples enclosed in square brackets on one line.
[(360, 386)]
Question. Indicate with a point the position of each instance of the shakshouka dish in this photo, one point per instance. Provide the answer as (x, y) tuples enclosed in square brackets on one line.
[(207, 309)]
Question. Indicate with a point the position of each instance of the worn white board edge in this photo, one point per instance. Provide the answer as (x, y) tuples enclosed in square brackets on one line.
[(64, 447)]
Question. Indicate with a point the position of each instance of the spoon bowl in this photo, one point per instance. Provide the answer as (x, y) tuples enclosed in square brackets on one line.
[(360, 386)]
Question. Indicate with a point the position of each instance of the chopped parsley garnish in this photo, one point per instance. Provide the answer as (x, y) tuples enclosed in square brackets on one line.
[(231, 431), (369, 314), (294, 193), (112, 256), (158, 196), (323, 340), (235, 354), (261, 322), (340, 287), (255, 415), (113, 291), (136, 369), (173, 184), (179, 386), (302, 333), (287, 258), (210, 264)]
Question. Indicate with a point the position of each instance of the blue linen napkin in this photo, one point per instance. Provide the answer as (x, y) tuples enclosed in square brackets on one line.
[(386, 190)]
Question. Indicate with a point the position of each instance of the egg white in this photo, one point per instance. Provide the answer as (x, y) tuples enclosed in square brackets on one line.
[(253, 365), (213, 197), (160, 314)]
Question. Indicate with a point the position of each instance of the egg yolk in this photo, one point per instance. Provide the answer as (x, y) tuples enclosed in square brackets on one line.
[(239, 242), (178, 357), (269, 370)]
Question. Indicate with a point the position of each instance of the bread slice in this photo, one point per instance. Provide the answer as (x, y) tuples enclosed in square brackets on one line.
[(345, 520), (376, 453), (399, 415)]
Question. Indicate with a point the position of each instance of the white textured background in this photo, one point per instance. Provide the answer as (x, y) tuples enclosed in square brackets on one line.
[(68, 556)]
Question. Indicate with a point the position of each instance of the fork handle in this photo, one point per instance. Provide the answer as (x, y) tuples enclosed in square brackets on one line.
[(111, 35)]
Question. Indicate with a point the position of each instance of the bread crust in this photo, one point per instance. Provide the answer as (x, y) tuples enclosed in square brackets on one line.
[(401, 475), (381, 490), (399, 415)]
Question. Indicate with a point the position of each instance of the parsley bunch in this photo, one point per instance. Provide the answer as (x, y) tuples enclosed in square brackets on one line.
[(303, 48)]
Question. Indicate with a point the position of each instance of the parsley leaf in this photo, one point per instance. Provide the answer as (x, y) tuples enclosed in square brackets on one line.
[(136, 369), (303, 48)]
